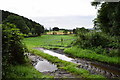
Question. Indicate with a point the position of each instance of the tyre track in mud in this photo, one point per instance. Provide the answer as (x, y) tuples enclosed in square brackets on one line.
[(95, 67)]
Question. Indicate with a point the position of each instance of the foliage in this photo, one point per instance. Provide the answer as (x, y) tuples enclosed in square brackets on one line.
[(39, 29), (19, 22), (108, 18), (92, 39), (81, 30), (26, 26), (65, 31), (55, 29), (12, 47), (99, 42)]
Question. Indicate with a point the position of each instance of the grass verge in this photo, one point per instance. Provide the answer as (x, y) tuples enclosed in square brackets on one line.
[(85, 53)]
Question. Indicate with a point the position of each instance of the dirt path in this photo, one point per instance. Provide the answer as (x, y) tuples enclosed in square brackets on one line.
[(95, 67), (55, 72)]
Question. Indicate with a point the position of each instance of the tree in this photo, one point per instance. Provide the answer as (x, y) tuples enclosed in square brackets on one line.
[(65, 31), (12, 47), (74, 31), (108, 18), (19, 22), (55, 29), (80, 30), (39, 29), (26, 26)]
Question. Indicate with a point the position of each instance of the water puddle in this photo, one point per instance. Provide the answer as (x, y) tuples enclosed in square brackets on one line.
[(45, 66), (41, 64), (63, 57), (93, 69)]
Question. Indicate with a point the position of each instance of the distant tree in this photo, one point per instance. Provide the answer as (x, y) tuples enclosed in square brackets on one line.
[(39, 29), (19, 22), (70, 31), (65, 31), (46, 30), (80, 30), (62, 29), (26, 26), (55, 29), (74, 31)]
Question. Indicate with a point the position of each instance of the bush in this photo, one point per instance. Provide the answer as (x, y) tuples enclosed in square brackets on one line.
[(92, 39), (114, 52), (99, 42), (99, 50), (12, 47)]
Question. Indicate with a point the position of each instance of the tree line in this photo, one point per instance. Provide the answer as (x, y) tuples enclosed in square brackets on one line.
[(26, 26)]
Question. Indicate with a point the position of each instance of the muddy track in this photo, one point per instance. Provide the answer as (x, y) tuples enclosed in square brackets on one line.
[(95, 67), (56, 73)]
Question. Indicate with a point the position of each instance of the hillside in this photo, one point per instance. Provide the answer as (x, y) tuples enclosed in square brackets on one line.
[(26, 26)]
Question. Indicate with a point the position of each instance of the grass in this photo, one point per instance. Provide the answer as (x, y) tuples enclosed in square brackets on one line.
[(49, 41), (24, 71), (68, 66), (85, 53), (45, 40)]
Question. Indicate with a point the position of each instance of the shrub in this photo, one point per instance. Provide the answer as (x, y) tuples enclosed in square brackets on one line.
[(12, 47), (99, 42), (114, 52), (92, 39)]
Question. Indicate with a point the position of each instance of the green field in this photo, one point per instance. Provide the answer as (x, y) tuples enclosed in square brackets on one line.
[(54, 41), (49, 41)]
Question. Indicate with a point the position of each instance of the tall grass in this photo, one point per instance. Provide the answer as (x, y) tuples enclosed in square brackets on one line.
[(85, 53)]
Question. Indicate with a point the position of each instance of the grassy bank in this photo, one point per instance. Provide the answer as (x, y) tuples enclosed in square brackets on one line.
[(85, 53)]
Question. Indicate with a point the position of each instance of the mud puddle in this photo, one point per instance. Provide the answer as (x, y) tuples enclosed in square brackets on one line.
[(92, 67), (47, 68)]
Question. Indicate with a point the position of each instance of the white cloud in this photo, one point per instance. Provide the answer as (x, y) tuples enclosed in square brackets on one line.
[(34, 8)]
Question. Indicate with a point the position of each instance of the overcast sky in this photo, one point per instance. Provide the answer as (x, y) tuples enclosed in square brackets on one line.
[(67, 14)]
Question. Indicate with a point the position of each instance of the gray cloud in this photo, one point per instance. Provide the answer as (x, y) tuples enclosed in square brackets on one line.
[(67, 22)]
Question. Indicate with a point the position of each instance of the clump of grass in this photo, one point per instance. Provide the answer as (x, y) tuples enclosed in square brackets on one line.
[(84, 53)]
